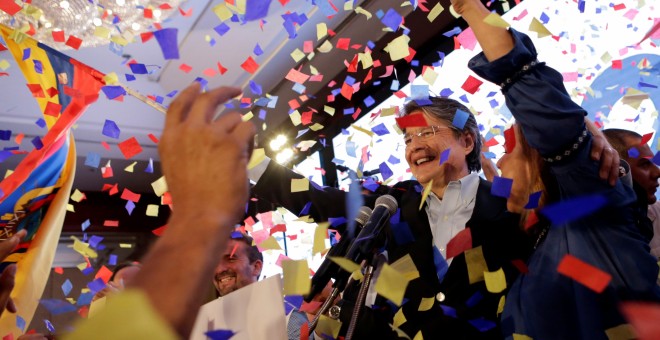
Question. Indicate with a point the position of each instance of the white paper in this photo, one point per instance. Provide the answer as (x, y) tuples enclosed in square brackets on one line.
[(253, 312)]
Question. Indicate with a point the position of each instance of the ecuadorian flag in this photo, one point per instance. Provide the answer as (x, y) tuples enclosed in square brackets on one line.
[(35, 195)]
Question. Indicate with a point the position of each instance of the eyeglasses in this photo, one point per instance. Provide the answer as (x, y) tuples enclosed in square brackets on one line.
[(424, 134)]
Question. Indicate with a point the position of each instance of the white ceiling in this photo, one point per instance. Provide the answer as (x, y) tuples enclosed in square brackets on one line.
[(19, 111)]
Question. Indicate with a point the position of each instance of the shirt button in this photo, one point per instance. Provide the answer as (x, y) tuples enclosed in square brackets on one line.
[(444, 218), (440, 297)]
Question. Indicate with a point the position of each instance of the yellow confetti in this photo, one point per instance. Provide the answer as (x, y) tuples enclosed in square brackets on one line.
[(521, 337), (426, 304), (320, 235), (111, 78), (329, 110), (389, 111), (606, 57), (306, 219), (500, 305), (119, 40), (270, 244), (476, 264), (297, 55), (81, 266), (496, 20), (418, 336), (360, 10), (77, 196), (130, 168), (295, 117), (429, 75), (83, 248), (495, 281), (8, 172), (634, 98), (348, 5), (246, 117), (102, 32), (296, 277), (399, 318), (433, 14), (321, 30), (425, 194), (398, 48), (345, 263), (537, 26), (328, 326), (365, 131), (4, 64), (391, 284), (125, 245), (406, 266), (316, 127), (258, 156), (222, 12), (69, 207), (298, 185), (325, 47), (621, 332), (366, 60), (152, 210), (159, 186)]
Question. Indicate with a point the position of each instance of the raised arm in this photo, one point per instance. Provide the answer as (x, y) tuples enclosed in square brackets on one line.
[(535, 93)]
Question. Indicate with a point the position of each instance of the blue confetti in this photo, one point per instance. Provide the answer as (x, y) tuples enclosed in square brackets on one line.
[(482, 324), (129, 77), (26, 53), (4, 154), (85, 224), (501, 187), (38, 67), (137, 68), (392, 19), (656, 158), (370, 185), (454, 31), (449, 311), (441, 265), (220, 334), (305, 209), (113, 92), (544, 18), (633, 152), (385, 171), (5, 134), (255, 88), (167, 39), (221, 29), (66, 287), (38, 144), (444, 156), (112, 261), (20, 323), (56, 306), (291, 302), (460, 118), (85, 298), (93, 160), (130, 206), (95, 240), (402, 233), (393, 160), (533, 202), (257, 50), (474, 299), (369, 101), (573, 209), (380, 129), (110, 129), (337, 221), (96, 285), (150, 166), (49, 326)]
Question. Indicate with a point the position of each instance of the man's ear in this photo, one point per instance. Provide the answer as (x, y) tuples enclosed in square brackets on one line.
[(469, 142), (257, 266)]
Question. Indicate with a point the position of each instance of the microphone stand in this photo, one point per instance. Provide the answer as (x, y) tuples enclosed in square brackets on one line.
[(362, 296), (324, 308)]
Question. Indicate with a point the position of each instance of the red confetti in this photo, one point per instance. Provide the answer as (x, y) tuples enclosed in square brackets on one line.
[(646, 138), (411, 121), (159, 231), (617, 64), (37, 91), (148, 13), (304, 329), (643, 316), (104, 273), (491, 142), (130, 147), (619, 7), (520, 265), (130, 196), (185, 13), (10, 7), (52, 92), (146, 36), (58, 36), (343, 43), (52, 109), (250, 65), (584, 273), (459, 243), (74, 42), (347, 91), (153, 138), (221, 68), (471, 85), (185, 68), (105, 145), (509, 140), (59, 270), (110, 223), (278, 228)]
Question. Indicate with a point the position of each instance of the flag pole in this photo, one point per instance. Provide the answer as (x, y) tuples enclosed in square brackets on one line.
[(139, 96)]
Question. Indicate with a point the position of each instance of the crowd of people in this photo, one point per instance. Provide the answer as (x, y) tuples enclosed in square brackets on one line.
[(554, 156)]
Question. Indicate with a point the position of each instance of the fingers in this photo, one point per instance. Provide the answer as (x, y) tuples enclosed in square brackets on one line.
[(7, 246), (614, 168), (597, 146), (204, 108), (6, 286), (181, 105), (11, 306)]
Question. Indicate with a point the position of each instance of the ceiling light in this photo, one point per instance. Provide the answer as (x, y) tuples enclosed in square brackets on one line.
[(278, 142), (284, 156), (80, 18)]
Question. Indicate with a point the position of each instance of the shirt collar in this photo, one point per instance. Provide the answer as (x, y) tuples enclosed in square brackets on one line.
[(467, 185)]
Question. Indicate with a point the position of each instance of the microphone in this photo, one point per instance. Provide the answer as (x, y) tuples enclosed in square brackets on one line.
[(329, 269), (363, 245)]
